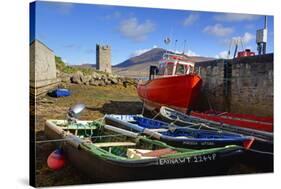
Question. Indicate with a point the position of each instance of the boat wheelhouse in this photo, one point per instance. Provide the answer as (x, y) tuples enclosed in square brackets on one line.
[(172, 64), (173, 83)]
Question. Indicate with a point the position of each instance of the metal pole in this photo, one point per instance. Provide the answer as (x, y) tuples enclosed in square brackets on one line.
[(265, 22), (184, 47), (176, 46), (265, 27)]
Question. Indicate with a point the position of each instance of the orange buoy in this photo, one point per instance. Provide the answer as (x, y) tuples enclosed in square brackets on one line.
[(56, 159)]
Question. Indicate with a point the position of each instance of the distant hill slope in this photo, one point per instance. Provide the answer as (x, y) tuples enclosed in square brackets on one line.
[(138, 66), (86, 66)]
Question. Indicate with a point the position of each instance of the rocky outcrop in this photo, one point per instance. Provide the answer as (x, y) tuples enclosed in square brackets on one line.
[(77, 78), (96, 79)]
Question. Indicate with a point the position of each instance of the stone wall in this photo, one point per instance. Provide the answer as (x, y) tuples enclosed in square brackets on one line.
[(42, 68), (241, 85), (103, 58)]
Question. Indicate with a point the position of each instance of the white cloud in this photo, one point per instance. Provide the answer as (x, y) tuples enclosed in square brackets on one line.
[(232, 17), (191, 53), (188, 53), (222, 54), (218, 30), (114, 15), (141, 51), (134, 30), (246, 38), (190, 19)]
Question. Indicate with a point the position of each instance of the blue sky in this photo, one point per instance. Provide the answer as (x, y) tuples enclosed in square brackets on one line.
[(73, 30)]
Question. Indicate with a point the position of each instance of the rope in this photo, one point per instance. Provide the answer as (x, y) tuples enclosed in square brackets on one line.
[(62, 140), (156, 115), (262, 152), (142, 111)]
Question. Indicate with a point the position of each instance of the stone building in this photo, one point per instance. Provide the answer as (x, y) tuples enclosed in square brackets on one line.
[(103, 58), (42, 68)]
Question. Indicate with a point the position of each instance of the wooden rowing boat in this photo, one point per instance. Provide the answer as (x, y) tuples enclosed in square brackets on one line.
[(191, 137), (107, 153), (263, 139)]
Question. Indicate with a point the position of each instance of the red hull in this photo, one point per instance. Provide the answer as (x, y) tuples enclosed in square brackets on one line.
[(178, 92), (241, 120)]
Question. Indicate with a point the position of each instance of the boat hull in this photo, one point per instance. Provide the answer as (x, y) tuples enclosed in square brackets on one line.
[(102, 169), (183, 137), (178, 92), (238, 120), (263, 140)]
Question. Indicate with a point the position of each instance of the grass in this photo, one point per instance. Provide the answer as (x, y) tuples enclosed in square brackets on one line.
[(99, 101), (63, 67)]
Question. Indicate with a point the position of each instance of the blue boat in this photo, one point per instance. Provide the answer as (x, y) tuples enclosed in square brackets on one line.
[(59, 93), (191, 137)]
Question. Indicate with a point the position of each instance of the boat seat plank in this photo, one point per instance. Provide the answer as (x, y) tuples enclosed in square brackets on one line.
[(111, 144), (158, 130), (79, 128)]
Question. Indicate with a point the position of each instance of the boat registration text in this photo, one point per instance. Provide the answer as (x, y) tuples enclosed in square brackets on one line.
[(188, 160)]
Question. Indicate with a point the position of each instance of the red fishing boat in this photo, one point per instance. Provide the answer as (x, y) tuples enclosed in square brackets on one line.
[(174, 83), (240, 120)]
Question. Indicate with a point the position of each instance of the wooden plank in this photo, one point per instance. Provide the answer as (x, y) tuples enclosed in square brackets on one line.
[(158, 130), (111, 144)]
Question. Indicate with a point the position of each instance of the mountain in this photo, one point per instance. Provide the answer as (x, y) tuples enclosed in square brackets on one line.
[(138, 66), (86, 65), (153, 55)]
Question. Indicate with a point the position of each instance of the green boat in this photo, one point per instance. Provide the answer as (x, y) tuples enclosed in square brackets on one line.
[(108, 154)]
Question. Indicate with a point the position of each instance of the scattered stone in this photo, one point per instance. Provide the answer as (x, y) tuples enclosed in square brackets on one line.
[(101, 83), (113, 80), (66, 79), (77, 77), (86, 79), (96, 79), (94, 82), (107, 81)]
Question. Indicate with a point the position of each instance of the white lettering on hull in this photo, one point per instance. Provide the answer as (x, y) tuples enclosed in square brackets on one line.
[(188, 160)]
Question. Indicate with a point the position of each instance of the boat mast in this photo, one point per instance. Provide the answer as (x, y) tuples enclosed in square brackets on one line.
[(184, 42), (167, 41), (176, 46)]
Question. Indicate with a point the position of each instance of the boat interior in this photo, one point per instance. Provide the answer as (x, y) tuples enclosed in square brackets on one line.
[(118, 144)]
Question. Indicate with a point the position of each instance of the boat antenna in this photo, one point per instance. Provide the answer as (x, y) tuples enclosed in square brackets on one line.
[(230, 44), (176, 46), (184, 42), (167, 41)]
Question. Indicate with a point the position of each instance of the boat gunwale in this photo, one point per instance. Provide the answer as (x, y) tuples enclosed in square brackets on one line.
[(99, 152), (146, 82), (223, 126)]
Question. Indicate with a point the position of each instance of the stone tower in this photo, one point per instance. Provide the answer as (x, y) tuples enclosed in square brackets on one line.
[(103, 55)]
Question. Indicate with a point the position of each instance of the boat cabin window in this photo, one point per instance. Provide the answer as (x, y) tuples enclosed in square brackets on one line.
[(181, 69), (161, 69), (169, 68), (191, 69), (165, 56)]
